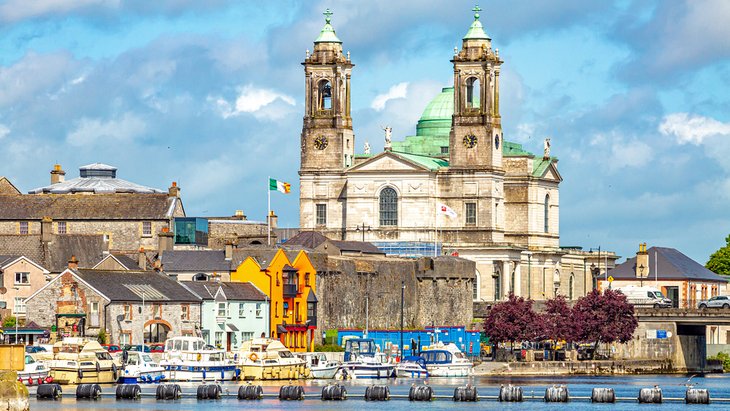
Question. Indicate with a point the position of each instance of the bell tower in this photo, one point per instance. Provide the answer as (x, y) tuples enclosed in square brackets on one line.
[(475, 141), (328, 142)]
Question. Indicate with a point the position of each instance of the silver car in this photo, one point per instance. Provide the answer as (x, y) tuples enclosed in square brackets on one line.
[(720, 301)]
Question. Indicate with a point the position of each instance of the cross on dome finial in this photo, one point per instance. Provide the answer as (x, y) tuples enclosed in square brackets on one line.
[(476, 11), (327, 16)]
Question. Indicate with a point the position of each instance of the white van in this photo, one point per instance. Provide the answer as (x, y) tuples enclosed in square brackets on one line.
[(645, 296)]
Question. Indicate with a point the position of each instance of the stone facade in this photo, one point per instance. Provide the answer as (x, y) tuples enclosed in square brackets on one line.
[(31, 278)]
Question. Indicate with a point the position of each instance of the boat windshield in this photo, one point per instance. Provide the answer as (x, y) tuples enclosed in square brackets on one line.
[(103, 356), (215, 357), (29, 359), (436, 357), (146, 358), (360, 346), (285, 354)]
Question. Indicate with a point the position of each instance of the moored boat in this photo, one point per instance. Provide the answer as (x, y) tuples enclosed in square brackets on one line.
[(318, 365), (34, 372), (80, 361), (445, 360), (269, 359), (411, 367), (363, 361), (139, 367), (189, 359)]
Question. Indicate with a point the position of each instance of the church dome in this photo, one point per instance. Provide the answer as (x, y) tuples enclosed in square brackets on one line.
[(436, 118)]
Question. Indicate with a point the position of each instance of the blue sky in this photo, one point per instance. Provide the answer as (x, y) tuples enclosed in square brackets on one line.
[(634, 95)]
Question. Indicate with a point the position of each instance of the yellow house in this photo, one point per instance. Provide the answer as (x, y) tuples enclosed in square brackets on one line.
[(290, 286)]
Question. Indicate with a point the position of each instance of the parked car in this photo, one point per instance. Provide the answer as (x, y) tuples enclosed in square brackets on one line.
[(718, 301), (157, 347), (136, 347), (112, 348), (32, 349)]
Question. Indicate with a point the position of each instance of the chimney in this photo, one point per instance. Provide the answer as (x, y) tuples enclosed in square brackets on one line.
[(165, 240), (642, 262), (46, 229), (142, 259), (57, 174), (174, 190), (73, 263), (239, 215), (273, 219), (229, 250)]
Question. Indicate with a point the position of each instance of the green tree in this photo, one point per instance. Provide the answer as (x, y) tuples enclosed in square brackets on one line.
[(9, 322), (102, 337), (719, 261)]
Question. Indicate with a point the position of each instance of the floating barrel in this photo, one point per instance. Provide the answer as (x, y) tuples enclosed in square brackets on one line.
[(209, 392), (557, 394), (49, 392), (510, 393), (291, 393), (250, 392), (90, 391), (603, 395), (377, 393), (168, 392), (334, 392), (467, 393), (697, 396), (420, 393), (128, 391), (650, 395)]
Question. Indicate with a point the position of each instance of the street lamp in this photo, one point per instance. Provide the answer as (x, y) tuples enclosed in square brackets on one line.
[(16, 316), (362, 228), (641, 275)]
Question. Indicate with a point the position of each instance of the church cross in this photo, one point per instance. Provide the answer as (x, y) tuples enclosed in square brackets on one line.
[(476, 11), (327, 16)]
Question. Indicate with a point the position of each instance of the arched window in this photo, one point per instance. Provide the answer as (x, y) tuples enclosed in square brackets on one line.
[(571, 287), (325, 95), (472, 92), (200, 277), (388, 207), (547, 213)]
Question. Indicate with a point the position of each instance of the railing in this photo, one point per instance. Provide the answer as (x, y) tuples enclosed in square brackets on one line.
[(290, 290)]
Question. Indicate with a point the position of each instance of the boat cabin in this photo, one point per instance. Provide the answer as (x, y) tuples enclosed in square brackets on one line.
[(357, 347)]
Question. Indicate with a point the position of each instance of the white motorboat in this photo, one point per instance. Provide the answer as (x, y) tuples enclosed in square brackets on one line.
[(139, 367), (78, 360), (34, 372), (189, 359), (319, 366), (269, 359), (411, 367), (362, 361), (445, 360)]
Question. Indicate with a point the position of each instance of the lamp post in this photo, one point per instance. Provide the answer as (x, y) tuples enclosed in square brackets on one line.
[(599, 264), (16, 316), (529, 273), (362, 228), (402, 298), (641, 275)]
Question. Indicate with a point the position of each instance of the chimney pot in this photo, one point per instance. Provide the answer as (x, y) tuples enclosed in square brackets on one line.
[(73, 263), (174, 190), (57, 174)]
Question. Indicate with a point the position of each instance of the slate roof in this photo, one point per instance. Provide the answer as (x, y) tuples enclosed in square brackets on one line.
[(195, 260), (128, 262), (263, 256), (6, 187), (672, 265), (88, 249), (95, 178), (86, 207), (233, 290), (4, 259), (132, 285), (313, 239)]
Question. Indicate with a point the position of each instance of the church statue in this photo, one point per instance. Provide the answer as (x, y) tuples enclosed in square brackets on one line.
[(388, 131), (367, 148), (547, 148)]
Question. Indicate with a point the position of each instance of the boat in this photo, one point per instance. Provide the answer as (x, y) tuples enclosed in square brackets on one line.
[(34, 372), (269, 359), (139, 367), (363, 361), (77, 360), (445, 360), (411, 367), (319, 366), (190, 359)]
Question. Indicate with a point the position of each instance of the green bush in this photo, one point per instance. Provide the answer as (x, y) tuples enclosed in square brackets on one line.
[(102, 337), (9, 322), (328, 348), (725, 358)]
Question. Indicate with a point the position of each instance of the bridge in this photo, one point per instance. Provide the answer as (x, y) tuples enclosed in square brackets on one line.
[(691, 316)]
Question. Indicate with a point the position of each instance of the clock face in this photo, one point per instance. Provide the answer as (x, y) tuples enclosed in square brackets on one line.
[(496, 141), (320, 143), (470, 140)]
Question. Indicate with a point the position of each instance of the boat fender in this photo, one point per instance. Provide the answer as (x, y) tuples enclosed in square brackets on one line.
[(114, 372), (40, 380), (49, 379), (125, 356), (253, 357), (30, 380), (98, 367), (81, 374), (200, 356)]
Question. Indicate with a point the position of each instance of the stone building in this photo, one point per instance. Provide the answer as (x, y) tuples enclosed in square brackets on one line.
[(20, 277), (131, 306), (456, 187), (127, 215)]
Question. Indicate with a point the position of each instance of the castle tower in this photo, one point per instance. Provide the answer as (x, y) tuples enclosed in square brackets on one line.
[(476, 133), (328, 142)]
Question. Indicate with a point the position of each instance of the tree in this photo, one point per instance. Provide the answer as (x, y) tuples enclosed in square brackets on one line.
[(9, 322), (512, 320), (102, 337), (558, 320), (719, 261), (604, 318)]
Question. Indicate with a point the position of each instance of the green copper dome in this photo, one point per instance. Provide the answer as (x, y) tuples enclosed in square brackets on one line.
[(327, 35), (476, 31), (436, 118)]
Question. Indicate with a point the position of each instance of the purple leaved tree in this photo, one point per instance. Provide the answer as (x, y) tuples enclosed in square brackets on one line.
[(558, 320), (512, 320), (604, 318)]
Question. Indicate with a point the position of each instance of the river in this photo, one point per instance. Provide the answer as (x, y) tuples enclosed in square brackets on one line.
[(579, 386)]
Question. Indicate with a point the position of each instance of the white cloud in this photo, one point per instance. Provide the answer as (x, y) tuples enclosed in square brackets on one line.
[(88, 131), (251, 100), (4, 131), (631, 153), (14, 10), (399, 90), (692, 129)]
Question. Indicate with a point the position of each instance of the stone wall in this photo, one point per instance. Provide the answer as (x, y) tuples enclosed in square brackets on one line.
[(438, 292), (171, 317), (244, 232)]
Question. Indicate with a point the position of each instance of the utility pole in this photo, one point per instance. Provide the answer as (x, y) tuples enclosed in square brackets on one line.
[(402, 299)]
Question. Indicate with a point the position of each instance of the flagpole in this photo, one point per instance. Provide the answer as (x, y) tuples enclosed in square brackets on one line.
[(436, 232), (268, 213)]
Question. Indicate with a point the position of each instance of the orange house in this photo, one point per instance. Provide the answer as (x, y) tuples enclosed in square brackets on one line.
[(290, 286)]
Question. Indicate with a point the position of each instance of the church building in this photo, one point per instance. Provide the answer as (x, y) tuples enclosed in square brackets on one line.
[(456, 187)]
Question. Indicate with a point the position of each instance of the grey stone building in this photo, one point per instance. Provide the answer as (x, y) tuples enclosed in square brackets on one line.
[(131, 306)]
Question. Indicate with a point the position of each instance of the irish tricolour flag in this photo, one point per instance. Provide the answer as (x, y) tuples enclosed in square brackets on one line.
[(276, 185)]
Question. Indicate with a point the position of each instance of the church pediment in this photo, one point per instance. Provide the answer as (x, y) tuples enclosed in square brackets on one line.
[(551, 173), (387, 161)]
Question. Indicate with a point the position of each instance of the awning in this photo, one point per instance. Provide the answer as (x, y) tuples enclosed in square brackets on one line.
[(281, 329), (231, 328)]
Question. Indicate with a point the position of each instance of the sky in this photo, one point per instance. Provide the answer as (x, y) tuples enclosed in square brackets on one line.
[(633, 94)]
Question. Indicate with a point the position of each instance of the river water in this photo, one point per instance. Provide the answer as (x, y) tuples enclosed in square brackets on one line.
[(624, 386)]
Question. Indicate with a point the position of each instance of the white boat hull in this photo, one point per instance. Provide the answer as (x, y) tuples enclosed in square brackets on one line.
[(369, 371), (410, 371), (324, 373), (449, 370), (200, 373)]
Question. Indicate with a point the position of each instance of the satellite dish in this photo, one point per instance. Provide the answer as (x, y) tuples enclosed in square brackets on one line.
[(3, 290)]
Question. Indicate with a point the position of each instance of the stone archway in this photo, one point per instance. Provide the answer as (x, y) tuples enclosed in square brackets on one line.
[(156, 331)]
